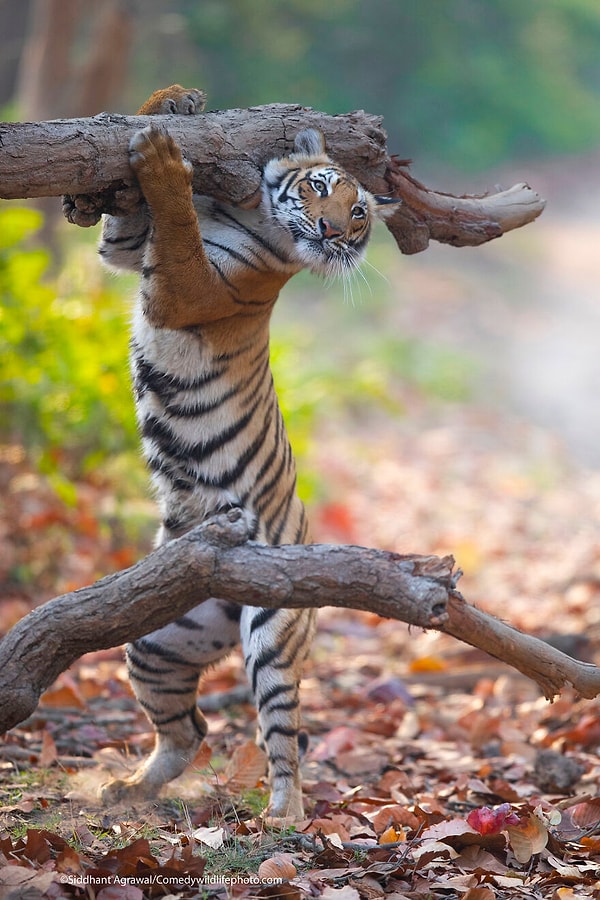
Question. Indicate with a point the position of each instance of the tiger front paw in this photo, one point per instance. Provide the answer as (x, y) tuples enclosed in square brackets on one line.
[(174, 100), (87, 209), (157, 161)]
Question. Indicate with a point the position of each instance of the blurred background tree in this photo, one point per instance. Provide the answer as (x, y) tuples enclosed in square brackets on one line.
[(465, 87), (467, 83)]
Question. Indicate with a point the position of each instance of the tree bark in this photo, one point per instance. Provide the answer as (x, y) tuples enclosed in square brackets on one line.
[(215, 560), (88, 158)]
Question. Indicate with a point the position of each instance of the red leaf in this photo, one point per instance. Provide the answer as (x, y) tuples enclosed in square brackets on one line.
[(336, 518), (492, 821)]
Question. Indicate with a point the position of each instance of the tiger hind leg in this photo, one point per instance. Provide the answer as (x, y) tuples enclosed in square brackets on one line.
[(164, 669), (275, 644)]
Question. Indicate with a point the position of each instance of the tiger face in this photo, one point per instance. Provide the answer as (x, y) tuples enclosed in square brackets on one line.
[(325, 213)]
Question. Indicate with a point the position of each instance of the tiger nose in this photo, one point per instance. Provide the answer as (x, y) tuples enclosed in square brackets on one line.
[(328, 229)]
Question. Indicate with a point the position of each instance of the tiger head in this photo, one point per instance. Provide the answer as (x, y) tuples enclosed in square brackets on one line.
[(324, 212)]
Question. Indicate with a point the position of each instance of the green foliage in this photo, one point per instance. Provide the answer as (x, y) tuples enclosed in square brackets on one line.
[(469, 83), (64, 387)]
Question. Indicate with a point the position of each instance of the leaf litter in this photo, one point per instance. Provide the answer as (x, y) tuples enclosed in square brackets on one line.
[(432, 770)]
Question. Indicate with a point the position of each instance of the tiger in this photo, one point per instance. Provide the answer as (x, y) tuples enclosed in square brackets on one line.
[(211, 428)]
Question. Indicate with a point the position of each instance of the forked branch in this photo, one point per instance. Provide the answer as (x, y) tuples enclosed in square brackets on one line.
[(215, 559), (88, 158)]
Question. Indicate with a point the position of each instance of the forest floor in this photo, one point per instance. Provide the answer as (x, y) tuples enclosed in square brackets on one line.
[(433, 771)]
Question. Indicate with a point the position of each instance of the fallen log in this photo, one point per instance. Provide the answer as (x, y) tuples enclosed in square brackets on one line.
[(87, 159), (215, 559)]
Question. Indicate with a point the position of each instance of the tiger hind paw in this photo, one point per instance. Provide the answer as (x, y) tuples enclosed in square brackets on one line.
[(126, 790), (174, 100)]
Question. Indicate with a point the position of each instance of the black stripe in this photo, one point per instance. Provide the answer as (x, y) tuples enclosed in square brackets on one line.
[(281, 773), (230, 476), (202, 408), (191, 680), (233, 253), (263, 616), (189, 623), (282, 510), (267, 657), (239, 351), (265, 495), (177, 479), (233, 611), (301, 530), (199, 723), (273, 692), (262, 498), (223, 277), (176, 523), (277, 182), (145, 645), (253, 302), (260, 374), (176, 717), (175, 691), (280, 729), (254, 235), (300, 643), (285, 184), (166, 385), (137, 240), (134, 660), (168, 441), (284, 707)]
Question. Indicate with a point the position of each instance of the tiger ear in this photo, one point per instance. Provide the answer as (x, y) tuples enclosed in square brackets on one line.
[(309, 142), (386, 206)]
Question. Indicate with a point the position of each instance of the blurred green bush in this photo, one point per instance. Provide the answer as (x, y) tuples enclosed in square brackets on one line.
[(64, 389)]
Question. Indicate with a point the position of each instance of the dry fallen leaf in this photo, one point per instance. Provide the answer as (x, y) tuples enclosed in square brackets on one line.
[(479, 893), (279, 866), (528, 838), (48, 753), (344, 893), (245, 769), (211, 837)]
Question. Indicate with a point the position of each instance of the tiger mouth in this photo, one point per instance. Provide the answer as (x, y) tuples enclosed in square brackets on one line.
[(334, 251), (320, 253)]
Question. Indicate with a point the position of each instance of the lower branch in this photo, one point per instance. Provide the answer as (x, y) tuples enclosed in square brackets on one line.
[(544, 664), (215, 560), (212, 560)]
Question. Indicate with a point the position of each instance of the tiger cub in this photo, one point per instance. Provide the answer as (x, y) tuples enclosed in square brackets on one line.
[(212, 431)]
